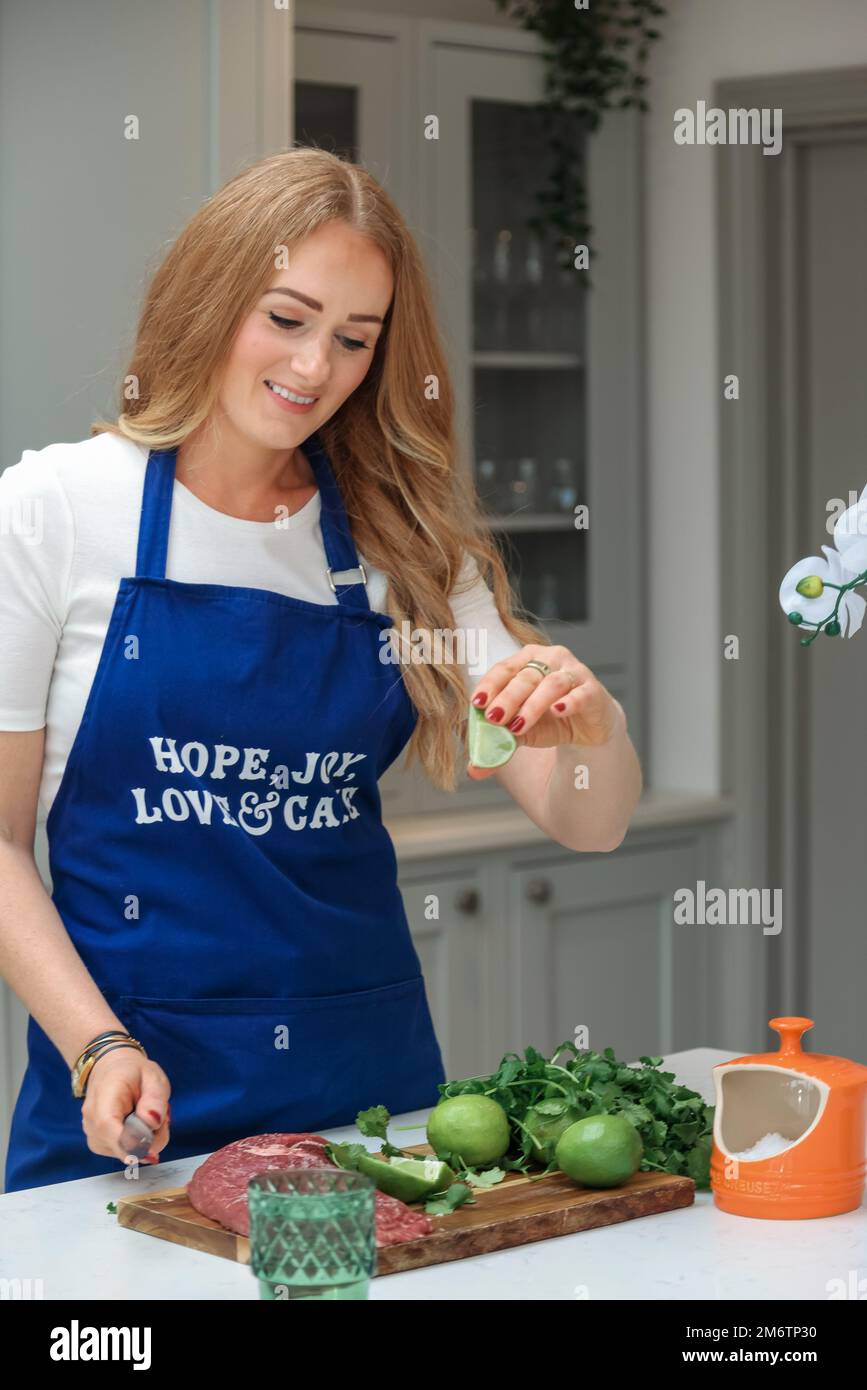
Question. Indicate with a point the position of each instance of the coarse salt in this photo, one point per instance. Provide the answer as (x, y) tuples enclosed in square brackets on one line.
[(766, 1147)]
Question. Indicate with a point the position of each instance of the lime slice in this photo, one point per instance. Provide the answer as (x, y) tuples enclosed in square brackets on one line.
[(410, 1179), (488, 744)]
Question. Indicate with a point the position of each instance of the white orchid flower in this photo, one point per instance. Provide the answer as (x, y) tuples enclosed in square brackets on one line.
[(814, 600)]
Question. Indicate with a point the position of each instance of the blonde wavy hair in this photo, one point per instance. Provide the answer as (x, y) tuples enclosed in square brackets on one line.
[(411, 504)]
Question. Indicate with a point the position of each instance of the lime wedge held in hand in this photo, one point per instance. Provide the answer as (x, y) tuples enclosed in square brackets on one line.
[(488, 744), (410, 1179)]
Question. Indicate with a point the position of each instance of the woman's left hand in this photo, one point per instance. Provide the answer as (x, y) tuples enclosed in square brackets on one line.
[(568, 706)]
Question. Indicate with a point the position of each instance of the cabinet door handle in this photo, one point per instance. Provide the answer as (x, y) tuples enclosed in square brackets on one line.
[(538, 890), (468, 901)]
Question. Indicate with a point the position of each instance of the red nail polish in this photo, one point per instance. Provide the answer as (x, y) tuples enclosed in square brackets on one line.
[(517, 724), (154, 1158), (155, 1116), (495, 714), (561, 705), (480, 698)]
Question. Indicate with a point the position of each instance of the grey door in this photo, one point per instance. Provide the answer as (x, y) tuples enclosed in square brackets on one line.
[(826, 400), (793, 325)]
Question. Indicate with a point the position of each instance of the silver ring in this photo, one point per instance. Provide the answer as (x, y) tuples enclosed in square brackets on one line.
[(539, 666)]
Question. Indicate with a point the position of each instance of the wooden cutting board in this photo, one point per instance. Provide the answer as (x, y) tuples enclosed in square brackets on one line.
[(514, 1212)]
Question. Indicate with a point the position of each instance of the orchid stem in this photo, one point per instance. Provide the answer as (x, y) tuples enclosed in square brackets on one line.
[(832, 617)]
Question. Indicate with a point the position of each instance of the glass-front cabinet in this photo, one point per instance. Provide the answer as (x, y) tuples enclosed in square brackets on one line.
[(448, 116), (528, 364)]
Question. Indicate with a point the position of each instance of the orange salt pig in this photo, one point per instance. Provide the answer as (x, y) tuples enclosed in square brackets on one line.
[(817, 1102)]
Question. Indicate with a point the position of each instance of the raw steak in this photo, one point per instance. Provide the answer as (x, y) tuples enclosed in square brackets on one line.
[(396, 1222), (218, 1189)]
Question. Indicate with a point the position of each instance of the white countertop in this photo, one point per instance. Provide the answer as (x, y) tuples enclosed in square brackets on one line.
[(64, 1236), (441, 834)]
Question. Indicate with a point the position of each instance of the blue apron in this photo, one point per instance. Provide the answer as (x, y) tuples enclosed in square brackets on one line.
[(218, 858)]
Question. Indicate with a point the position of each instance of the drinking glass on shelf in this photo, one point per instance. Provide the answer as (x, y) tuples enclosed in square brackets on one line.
[(534, 292), (523, 488), (312, 1233), (568, 308), (504, 288), (483, 294), (562, 494)]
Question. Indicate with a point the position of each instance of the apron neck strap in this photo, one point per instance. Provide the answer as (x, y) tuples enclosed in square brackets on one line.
[(345, 574), (156, 511)]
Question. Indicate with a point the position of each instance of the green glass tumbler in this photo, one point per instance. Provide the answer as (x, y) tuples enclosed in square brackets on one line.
[(312, 1233)]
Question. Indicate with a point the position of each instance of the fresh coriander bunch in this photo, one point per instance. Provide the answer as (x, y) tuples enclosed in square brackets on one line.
[(543, 1095)]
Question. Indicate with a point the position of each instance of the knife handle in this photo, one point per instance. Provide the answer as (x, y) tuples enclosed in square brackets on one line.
[(135, 1137)]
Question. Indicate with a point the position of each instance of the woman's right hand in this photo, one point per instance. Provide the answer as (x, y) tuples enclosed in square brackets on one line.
[(119, 1082)]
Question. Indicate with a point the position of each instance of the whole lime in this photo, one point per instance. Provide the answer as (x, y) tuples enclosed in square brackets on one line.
[(474, 1127), (600, 1150), (545, 1123)]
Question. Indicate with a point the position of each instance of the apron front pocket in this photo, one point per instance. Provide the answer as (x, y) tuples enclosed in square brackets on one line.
[(242, 1066)]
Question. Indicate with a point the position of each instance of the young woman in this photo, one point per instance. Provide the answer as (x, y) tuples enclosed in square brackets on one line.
[(199, 615)]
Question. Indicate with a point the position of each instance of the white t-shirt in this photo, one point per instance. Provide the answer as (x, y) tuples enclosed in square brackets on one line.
[(69, 518)]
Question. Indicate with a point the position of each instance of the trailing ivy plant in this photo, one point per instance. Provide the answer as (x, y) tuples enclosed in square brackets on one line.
[(594, 56)]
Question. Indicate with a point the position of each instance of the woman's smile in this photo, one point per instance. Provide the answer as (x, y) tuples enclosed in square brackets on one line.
[(290, 400)]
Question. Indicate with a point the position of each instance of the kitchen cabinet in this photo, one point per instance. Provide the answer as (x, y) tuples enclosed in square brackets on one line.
[(593, 947), (456, 937), (546, 373), (534, 941), (352, 81)]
